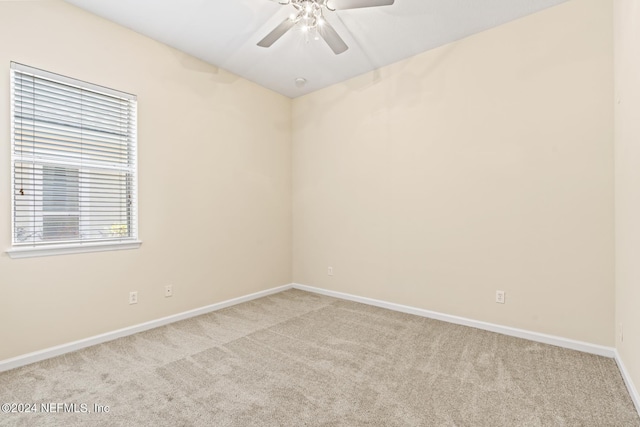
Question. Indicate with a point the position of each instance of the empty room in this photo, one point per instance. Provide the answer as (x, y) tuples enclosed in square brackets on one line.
[(320, 212)]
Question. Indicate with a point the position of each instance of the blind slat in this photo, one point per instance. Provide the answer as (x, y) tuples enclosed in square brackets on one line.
[(28, 92), (26, 133)]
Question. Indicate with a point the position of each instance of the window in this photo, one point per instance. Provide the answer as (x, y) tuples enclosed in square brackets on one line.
[(74, 168), (60, 204)]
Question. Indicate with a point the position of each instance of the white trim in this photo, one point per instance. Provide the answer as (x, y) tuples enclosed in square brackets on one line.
[(38, 251), (13, 156), (635, 396), (505, 330), (48, 353)]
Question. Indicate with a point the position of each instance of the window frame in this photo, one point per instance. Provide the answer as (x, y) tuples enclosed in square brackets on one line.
[(44, 248)]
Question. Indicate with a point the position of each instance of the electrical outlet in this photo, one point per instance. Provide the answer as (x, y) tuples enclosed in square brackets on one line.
[(621, 334), (500, 297), (133, 297), (168, 291), (330, 271)]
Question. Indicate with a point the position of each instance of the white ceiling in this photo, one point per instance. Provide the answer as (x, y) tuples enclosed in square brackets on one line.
[(225, 32)]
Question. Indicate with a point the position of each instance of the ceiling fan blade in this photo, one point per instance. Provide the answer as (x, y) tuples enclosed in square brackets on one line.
[(277, 32), (330, 35), (354, 4)]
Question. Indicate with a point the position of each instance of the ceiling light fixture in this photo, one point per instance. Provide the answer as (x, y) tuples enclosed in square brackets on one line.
[(309, 15)]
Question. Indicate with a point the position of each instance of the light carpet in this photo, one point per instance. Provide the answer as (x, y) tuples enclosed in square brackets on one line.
[(301, 359)]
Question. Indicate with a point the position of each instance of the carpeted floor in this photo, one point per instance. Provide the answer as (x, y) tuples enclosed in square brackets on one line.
[(300, 359)]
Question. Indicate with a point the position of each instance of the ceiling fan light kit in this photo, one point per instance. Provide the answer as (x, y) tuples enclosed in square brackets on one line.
[(309, 16)]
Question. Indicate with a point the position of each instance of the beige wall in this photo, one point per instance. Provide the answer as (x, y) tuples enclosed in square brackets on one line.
[(482, 165), (627, 177), (485, 164), (215, 184)]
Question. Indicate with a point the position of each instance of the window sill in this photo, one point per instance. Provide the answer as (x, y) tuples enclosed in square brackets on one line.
[(31, 252)]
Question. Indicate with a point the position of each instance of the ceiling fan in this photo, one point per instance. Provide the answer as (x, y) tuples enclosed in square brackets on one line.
[(309, 15)]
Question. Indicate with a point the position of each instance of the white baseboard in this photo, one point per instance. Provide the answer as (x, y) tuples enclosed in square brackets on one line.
[(48, 353), (37, 356), (505, 330), (635, 396)]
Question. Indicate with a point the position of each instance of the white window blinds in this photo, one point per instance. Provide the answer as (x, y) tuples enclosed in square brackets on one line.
[(73, 161)]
